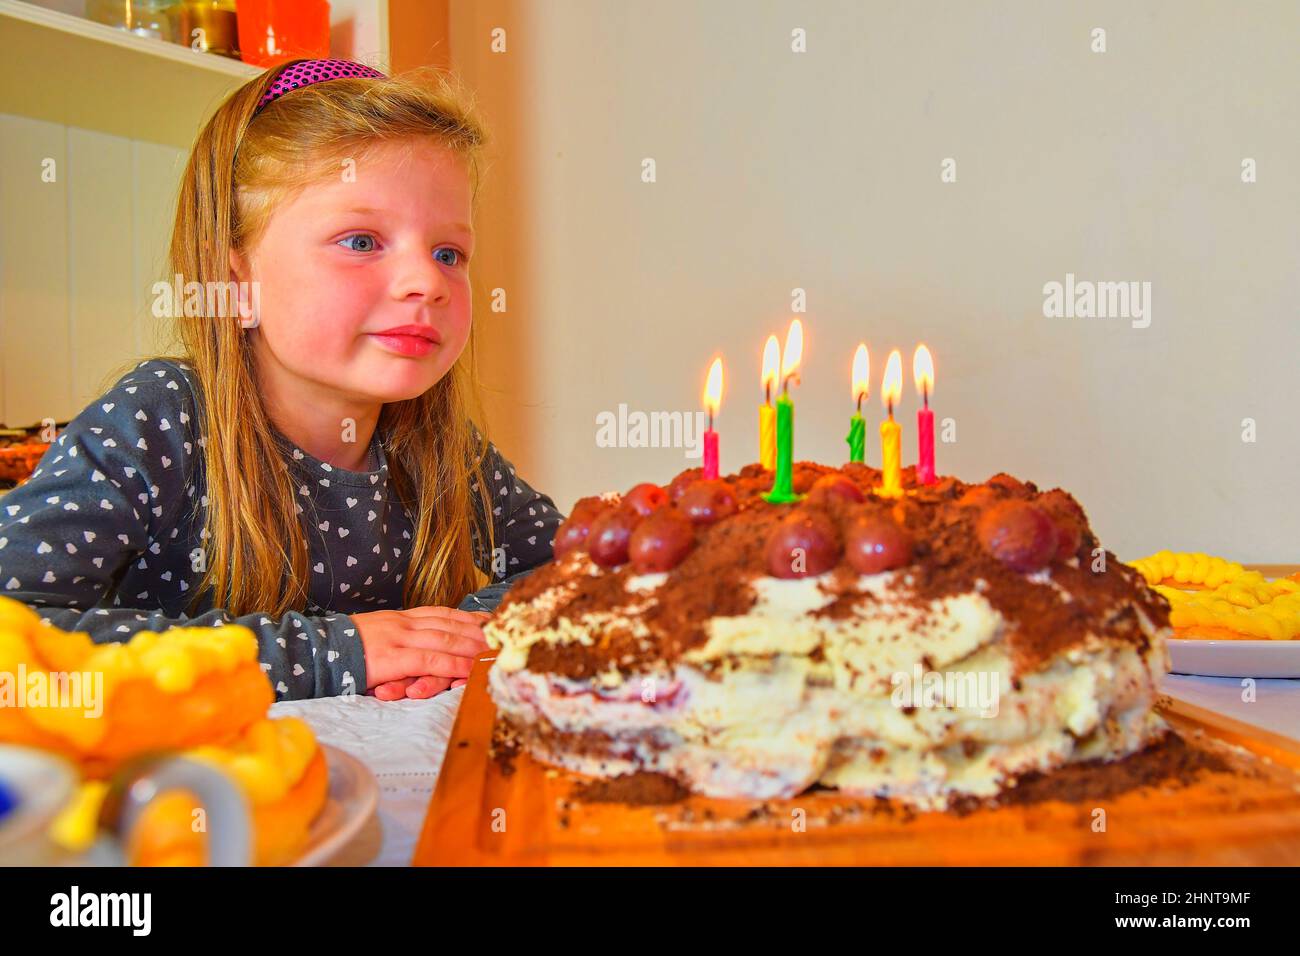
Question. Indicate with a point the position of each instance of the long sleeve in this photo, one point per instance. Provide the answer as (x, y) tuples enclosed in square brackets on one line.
[(487, 598), (103, 538), (524, 520)]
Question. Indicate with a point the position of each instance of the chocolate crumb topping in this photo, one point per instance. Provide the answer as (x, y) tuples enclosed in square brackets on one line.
[(716, 577), (504, 747), (639, 789), (1169, 763)]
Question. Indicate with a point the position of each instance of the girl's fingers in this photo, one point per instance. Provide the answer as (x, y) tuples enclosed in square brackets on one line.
[(459, 682), (431, 663), (393, 689), (446, 665), (445, 613), (425, 687), (459, 645), (473, 632)]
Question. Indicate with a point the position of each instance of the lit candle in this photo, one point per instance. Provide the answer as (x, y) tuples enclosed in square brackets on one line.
[(712, 402), (783, 482), (766, 413), (923, 373), (891, 480), (857, 438)]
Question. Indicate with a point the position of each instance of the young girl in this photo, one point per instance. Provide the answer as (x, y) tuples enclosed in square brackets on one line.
[(308, 467)]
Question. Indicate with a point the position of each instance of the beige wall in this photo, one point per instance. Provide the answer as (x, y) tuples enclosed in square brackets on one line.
[(821, 171), (80, 248)]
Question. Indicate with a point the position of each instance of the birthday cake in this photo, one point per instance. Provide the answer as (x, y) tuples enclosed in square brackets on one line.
[(927, 647)]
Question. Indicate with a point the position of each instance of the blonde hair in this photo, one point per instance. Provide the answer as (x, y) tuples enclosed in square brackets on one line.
[(240, 169)]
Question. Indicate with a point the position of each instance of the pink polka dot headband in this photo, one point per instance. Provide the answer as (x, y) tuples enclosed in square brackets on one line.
[(307, 72)]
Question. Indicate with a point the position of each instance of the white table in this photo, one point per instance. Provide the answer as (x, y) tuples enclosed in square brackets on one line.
[(1276, 706), (403, 743)]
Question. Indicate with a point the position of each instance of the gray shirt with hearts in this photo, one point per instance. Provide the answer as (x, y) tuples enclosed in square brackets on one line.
[(105, 536)]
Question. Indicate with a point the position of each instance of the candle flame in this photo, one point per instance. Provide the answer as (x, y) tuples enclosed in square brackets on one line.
[(892, 388), (713, 388), (861, 373), (923, 370), (793, 350), (771, 362)]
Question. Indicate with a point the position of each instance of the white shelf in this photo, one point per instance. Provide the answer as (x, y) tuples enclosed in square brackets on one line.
[(66, 69), (71, 71), (80, 30)]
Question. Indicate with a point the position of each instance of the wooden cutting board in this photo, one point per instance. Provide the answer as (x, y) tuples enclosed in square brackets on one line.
[(1244, 812)]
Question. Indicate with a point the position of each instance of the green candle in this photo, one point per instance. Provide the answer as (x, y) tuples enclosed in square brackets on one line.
[(782, 486), (861, 388), (857, 438)]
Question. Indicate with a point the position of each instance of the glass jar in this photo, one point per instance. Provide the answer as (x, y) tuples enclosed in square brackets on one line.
[(144, 18), (208, 26)]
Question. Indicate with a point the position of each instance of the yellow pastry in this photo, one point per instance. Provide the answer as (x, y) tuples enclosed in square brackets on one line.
[(198, 691), (1211, 598)]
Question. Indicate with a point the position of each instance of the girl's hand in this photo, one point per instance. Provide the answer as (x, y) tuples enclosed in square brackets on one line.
[(416, 688), (420, 651)]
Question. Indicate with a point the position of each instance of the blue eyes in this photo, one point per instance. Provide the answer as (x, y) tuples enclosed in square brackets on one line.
[(364, 238), (366, 243)]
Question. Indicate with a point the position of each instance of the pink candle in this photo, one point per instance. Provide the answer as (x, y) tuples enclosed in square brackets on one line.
[(925, 437), (923, 374), (710, 453), (712, 402)]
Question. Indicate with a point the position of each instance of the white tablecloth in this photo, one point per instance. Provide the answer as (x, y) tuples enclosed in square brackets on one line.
[(403, 743), (1276, 706)]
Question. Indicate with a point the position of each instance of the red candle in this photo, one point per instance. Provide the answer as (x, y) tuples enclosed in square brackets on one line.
[(923, 373), (712, 402)]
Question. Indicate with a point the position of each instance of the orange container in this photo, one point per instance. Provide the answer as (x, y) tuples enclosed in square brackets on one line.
[(274, 31)]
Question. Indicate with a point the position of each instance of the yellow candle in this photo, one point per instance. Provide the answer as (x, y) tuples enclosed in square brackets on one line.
[(767, 436), (766, 413), (783, 479), (891, 478), (891, 436)]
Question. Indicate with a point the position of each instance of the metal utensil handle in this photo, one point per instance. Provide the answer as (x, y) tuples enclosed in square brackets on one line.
[(223, 801)]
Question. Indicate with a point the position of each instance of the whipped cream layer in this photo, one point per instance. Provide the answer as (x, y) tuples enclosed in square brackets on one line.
[(922, 701)]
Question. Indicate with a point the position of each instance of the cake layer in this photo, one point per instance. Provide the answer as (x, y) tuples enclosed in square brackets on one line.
[(760, 727)]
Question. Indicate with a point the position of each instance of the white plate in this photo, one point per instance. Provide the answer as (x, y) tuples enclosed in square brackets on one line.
[(351, 800), (41, 784), (1210, 658)]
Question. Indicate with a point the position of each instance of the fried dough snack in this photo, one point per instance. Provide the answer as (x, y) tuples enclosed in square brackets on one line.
[(198, 692)]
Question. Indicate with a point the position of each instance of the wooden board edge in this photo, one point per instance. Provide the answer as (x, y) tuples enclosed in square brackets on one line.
[(472, 731), (456, 806)]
